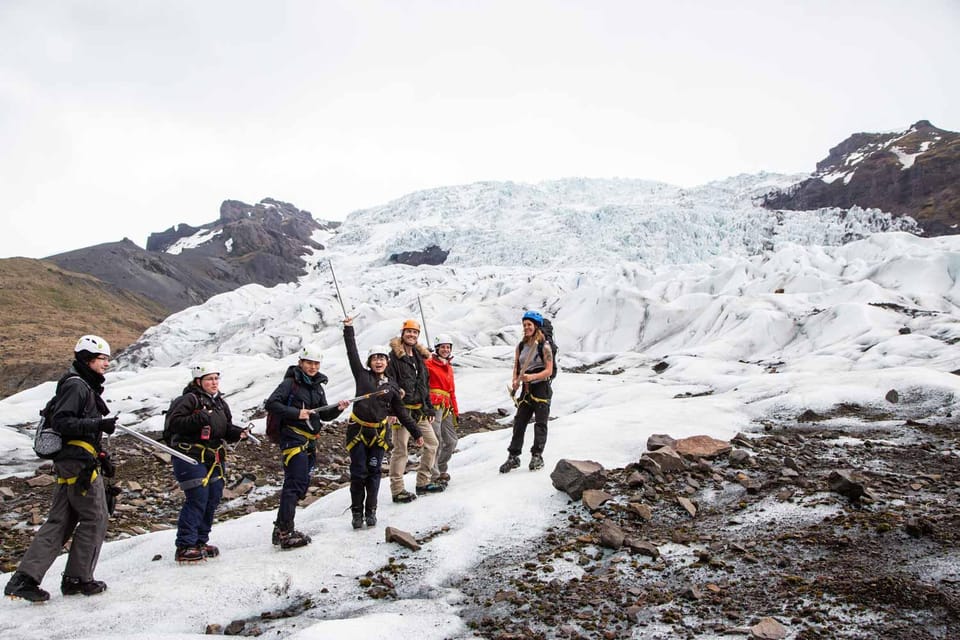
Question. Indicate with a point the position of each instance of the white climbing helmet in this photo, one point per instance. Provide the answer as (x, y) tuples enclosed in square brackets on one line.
[(442, 339), (311, 352), (377, 349), (93, 344), (201, 369)]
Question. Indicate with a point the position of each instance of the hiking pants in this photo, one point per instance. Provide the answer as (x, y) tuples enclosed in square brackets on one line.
[(398, 457), (447, 436), (540, 412), (296, 481), (365, 470), (82, 517), (199, 504)]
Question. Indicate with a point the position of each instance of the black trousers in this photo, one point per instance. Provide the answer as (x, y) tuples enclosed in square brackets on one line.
[(540, 412)]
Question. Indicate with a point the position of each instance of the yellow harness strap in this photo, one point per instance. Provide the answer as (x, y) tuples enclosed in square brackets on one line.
[(86, 446), (292, 451), (378, 438), (217, 459)]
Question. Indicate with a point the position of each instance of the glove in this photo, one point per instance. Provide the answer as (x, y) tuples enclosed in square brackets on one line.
[(112, 492), (107, 468), (108, 425)]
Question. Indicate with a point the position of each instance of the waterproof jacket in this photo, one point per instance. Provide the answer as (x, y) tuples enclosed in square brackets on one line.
[(288, 399), (194, 410), (410, 374), (443, 392), (375, 410), (78, 410)]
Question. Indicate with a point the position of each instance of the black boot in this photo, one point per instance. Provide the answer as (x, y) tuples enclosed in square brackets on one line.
[(357, 519), (536, 462), (286, 537), (512, 463), (73, 586), (23, 586), (371, 517)]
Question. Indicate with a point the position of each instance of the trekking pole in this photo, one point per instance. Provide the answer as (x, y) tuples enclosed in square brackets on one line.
[(426, 334), (372, 394), (155, 444), (337, 286)]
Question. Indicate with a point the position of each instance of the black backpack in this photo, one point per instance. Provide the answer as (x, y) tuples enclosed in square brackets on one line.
[(547, 329), (47, 441), (275, 420)]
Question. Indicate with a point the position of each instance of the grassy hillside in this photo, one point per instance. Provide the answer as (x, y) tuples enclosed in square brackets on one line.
[(44, 309)]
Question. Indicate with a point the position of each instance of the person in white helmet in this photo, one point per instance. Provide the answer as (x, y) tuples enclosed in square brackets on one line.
[(79, 508), (443, 396), (294, 400), (200, 422), (366, 432)]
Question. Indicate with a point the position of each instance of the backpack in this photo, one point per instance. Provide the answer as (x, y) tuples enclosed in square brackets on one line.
[(275, 420), (47, 441), (547, 329)]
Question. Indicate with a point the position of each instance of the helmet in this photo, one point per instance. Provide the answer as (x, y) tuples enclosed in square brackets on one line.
[(443, 339), (201, 369), (92, 344), (311, 352), (534, 317), (411, 324), (377, 349)]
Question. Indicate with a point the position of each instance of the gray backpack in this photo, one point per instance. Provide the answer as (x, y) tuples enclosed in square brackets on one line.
[(47, 441)]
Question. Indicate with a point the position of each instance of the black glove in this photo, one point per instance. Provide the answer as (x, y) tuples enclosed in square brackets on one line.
[(108, 425), (107, 468), (112, 493)]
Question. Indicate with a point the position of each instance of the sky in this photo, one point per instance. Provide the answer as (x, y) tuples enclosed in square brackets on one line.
[(739, 355), (118, 119)]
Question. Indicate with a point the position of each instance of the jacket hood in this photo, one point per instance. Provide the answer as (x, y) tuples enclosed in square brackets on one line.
[(397, 345), (294, 371)]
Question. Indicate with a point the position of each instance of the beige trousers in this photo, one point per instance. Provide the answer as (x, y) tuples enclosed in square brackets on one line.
[(398, 456)]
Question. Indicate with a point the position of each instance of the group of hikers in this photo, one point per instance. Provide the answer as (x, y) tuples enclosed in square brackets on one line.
[(404, 393)]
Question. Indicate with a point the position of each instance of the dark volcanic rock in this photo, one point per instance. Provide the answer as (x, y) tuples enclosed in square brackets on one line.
[(432, 255), (914, 173)]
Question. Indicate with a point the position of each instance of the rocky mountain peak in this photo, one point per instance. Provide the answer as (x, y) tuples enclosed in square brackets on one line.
[(909, 173)]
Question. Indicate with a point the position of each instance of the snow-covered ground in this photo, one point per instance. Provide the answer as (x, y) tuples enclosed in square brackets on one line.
[(837, 333)]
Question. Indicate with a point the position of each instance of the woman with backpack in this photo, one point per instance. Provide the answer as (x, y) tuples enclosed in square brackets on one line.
[(296, 401), (532, 371), (199, 422), (366, 431)]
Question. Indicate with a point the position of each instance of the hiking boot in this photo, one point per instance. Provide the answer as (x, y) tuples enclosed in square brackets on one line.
[(209, 550), (430, 487), (536, 462), (189, 554), (512, 463), (444, 478), (404, 496), (23, 586), (357, 520), (74, 586), (293, 539), (371, 518)]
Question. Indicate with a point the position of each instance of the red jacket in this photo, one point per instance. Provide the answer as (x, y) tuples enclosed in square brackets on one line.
[(442, 390)]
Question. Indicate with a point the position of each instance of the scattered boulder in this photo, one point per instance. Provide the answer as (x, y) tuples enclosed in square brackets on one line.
[(706, 447), (402, 538), (667, 459), (661, 366), (738, 457), (892, 396), (768, 629), (848, 483), (574, 476), (642, 547), (611, 536), (658, 441), (688, 505), (593, 499), (642, 510)]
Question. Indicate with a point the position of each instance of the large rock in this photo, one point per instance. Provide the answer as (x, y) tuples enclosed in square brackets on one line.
[(403, 538), (667, 459), (701, 447), (847, 483), (573, 476)]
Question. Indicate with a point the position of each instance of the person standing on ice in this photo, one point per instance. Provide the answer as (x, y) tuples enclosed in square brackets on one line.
[(408, 368), (294, 401), (443, 396), (532, 368), (200, 422), (366, 431), (79, 509)]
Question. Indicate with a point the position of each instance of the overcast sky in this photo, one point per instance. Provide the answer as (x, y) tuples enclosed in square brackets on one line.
[(120, 118)]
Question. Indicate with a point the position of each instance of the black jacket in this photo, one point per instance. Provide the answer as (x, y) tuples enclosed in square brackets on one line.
[(78, 410), (196, 409), (410, 374), (378, 408), (308, 394)]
